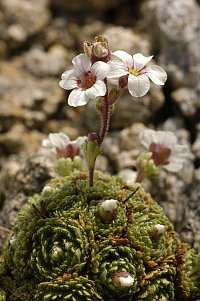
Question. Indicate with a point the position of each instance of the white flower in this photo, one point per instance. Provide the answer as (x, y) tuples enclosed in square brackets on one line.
[(109, 205), (62, 146), (137, 73), (165, 149), (86, 80)]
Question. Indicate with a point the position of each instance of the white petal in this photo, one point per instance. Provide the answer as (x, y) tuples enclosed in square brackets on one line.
[(125, 57), (173, 166), (139, 85), (81, 63), (47, 143), (59, 140), (166, 138), (68, 80), (140, 61), (181, 150), (156, 74), (147, 137), (117, 69), (100, 69), (77, 98), (80, 140), (98, 89)]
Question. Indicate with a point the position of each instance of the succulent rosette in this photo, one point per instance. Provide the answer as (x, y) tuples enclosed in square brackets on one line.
[(111, 260), (59, 246), (105, 223), (188, 272), (76, 289), (159, 284), (69, 205), (149, 230)]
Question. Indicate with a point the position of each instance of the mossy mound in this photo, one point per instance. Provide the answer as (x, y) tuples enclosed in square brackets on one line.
[(62, 248)]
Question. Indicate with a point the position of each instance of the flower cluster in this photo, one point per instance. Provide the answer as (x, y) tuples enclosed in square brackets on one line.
[(88, 79), (100, 75)]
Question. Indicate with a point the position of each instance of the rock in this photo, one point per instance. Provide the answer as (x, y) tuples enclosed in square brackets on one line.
[(22, 18), (123, 38), (129, 110), (41, 63), (29, 179), (174, 29), (190, 226), (17, 140), (17, 33), (187, 100), (123, 148), (196, 144), (87, 6), (128, 175)]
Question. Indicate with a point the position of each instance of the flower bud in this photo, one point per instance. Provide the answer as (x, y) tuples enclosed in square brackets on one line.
[(91, 149), (123, 279), (157, 230), (98, 50), (108, 209), (113, 96)]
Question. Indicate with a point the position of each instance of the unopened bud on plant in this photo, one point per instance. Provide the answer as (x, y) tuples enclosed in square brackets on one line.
[(146, 165), (108, 208), (123, 279), (99, 104), (57, 253), (47, 188), (113, 96), (91, 149), (98, 50), (157, 230), (63, 167)]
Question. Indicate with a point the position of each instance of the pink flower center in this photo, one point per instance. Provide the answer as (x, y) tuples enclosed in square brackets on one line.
[(160, 153), (87, 80), (70, 151)]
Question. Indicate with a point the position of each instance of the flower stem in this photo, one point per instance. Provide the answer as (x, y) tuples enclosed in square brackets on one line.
[(104, 113), (104, 119), (91, 175), (140, 176)]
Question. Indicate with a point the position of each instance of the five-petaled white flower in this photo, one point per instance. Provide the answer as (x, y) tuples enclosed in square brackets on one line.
[(62, 146), (86, 79), (133, 71), (165, 150)]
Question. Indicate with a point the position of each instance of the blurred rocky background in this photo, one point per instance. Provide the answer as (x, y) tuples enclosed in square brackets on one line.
[(38, 39)]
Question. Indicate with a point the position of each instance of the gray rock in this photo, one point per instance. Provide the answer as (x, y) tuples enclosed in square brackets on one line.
[(25, 18), (41, 63), (29, 180), (187, 100), (174, 28), (128, 110)]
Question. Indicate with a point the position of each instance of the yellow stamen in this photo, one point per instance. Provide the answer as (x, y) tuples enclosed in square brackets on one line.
[(133, 71)]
